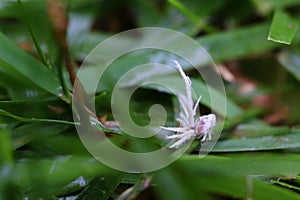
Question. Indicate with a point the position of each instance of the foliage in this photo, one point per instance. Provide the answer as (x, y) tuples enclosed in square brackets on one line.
[(255, 45)]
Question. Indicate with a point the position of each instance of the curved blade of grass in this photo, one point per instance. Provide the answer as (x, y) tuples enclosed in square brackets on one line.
[(283, 28), (22, 119), (283, 184), (258, 144), (51, 111), (17, 64), (34, 39), (181, 7)]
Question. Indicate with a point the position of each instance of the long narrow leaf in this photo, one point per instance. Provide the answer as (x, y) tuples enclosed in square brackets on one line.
[(283, 28), (257, 144), (17, 64), (239, 164)]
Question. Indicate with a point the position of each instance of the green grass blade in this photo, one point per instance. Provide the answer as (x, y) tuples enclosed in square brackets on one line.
[(257, 144), (238, 116), (49, 109), (244, 187), (243, 164), (283, 184), (184, 10), (17, 64), (22, 135), (227, 45), (6, 153), (38, 48), (101, 187), (238, 43), (175, 182), (283, 28), (57, 144), (259, 129), (29, 176), (34, 39), (22, 119)]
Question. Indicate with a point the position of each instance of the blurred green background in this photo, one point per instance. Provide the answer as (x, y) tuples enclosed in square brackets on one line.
[(255, 45)]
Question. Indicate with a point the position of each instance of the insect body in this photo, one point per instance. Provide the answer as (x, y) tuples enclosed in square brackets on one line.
[(189, 126)]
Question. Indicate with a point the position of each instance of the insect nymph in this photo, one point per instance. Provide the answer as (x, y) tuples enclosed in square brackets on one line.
[(189, 126)]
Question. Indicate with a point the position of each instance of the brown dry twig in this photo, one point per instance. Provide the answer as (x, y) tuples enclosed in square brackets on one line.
[(58, 17)]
